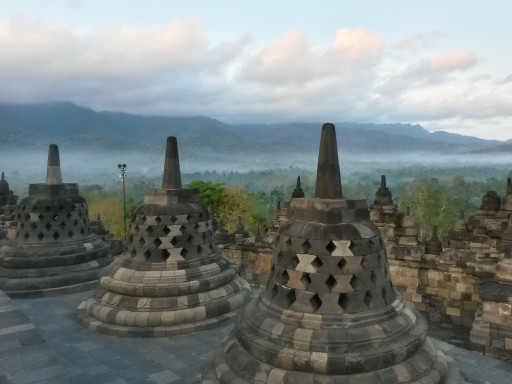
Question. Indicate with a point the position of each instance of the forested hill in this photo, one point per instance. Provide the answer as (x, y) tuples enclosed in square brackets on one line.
[(26, 126)]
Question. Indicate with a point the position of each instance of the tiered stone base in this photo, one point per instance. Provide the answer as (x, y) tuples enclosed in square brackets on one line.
[(306, 348), (34, 270), (171, 300)]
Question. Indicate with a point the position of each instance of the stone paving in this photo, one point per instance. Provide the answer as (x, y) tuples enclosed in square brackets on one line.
[(87, 357)]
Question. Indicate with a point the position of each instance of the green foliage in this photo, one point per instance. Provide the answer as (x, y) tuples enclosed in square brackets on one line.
[(210, 194), (257, 223), (431, 205)]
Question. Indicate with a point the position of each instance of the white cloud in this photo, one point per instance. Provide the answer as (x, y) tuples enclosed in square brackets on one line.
[(175, 69)]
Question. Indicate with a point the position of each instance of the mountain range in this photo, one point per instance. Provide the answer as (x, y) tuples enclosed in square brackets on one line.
[(73, 126)]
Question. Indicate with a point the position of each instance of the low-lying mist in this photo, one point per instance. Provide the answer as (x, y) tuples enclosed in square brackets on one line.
[(85, 167)]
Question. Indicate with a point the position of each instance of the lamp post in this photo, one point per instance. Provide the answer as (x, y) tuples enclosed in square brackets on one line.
[(122, 175)]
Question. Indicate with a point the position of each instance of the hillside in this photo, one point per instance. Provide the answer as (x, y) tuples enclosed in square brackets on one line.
[(26, 126)]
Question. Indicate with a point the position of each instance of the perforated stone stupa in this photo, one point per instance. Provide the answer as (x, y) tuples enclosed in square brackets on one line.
[(53, 250), (171, 279), (329, 312)]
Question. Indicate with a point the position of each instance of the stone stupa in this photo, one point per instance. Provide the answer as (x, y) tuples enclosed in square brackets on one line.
[(329, 312), (53, 250), (171, 279)]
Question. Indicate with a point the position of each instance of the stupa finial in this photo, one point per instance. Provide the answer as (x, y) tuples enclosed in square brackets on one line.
[(509, 186), (328, 180), (53, 175), (3, 178), (172, 173), (297, 185), (383, 182)]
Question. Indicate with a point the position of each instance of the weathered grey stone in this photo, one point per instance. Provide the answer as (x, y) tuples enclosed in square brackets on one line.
[(52, 249), (358, 329), (171, 279)]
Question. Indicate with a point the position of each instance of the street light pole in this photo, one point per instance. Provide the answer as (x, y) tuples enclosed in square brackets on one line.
[(122, 175)]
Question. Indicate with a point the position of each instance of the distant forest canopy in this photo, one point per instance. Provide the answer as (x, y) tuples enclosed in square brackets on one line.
[(436, 196)]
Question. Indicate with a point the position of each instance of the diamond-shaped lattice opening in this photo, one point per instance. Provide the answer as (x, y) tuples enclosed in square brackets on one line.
[(330, 246), (149, 230), (81, 231), (27, 217), (331, 282), (47, 208), (22, 225), (274, 291), (68, 215), (315, 302), (306, 280), (174, 219), (70, 233), (199, 249), (40, 236), (158, 220), (288, 243), (165, 254), (80, 214), (166, 230), (212, 247), (294, 261), (40, 217), (190, 238), (317, 263), (55, 217), (204, 236), (62, 225), (306, 246), (23, 208), (157, 242), (373, 277), (147, 254), (290, 297), (368, 299), (26, 236), (133, 252), (174, 240), (33, 226), (184, 253), (343, 301), (130, 239), (61, 207), (355, 283), (143, 219), (141, 241), (56, 235), (284, 277), (197, 226), (342, 264), (19, 216)]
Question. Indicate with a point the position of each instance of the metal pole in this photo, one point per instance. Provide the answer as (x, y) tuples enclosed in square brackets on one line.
[(122, 175)]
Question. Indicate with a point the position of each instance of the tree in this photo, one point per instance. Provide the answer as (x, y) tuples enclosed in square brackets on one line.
[(430, 206), (210, 194)]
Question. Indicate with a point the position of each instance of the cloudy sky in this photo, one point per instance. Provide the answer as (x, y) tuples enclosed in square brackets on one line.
[(445, 65)]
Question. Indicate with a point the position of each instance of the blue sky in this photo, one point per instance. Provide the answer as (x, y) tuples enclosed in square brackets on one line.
[(445, 65)]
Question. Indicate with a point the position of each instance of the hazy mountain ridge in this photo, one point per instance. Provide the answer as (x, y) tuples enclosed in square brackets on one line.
[(67, 124)]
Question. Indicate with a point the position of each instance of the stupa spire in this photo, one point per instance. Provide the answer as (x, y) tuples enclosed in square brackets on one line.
[(172, 173), (328, 180), (383, 182), (509, 186), (297, 192), (3, 178), (53, 175)]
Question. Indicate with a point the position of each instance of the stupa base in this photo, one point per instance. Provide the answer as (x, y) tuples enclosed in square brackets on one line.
[(429, 365)]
